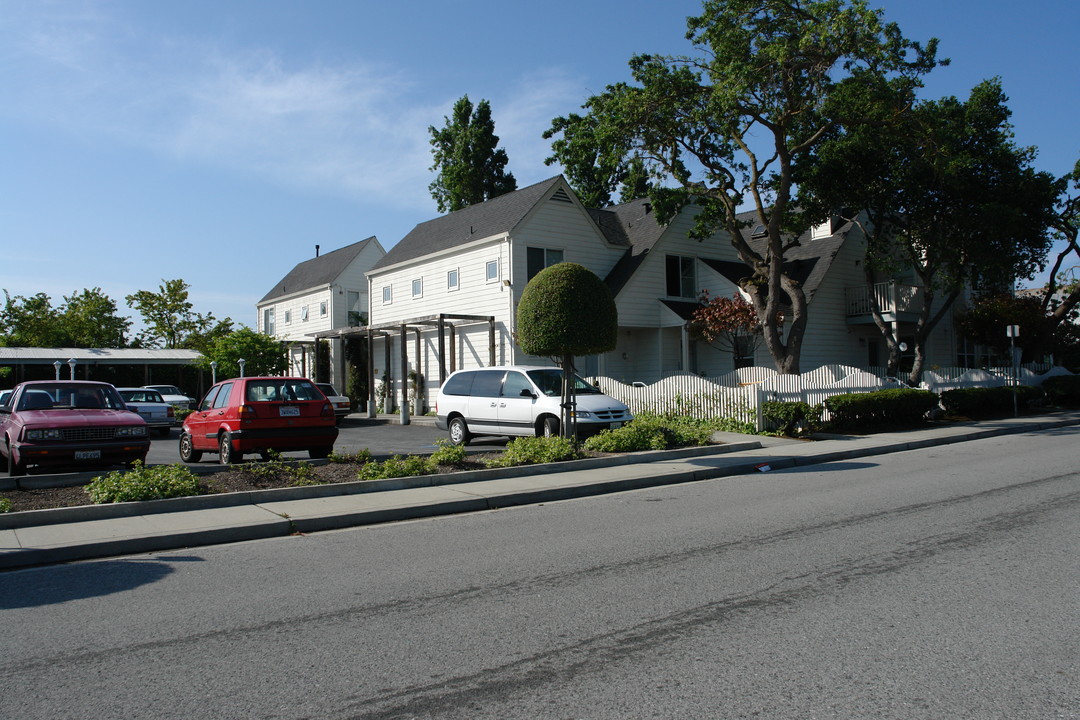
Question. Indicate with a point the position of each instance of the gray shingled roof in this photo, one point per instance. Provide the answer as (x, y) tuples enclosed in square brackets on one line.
[(632, 224), (478, 221), (316, 272)]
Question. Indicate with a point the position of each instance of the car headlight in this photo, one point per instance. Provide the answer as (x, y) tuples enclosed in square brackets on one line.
[(50, 434), (134, 431), (583, 414)]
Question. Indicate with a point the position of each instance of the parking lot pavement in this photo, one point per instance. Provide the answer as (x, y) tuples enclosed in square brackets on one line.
[(355, 434)]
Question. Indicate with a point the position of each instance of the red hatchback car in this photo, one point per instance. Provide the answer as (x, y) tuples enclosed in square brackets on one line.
[(259, 414), (69, 423)]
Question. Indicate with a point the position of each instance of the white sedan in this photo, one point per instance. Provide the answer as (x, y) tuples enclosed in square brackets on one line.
[(342, 404), (151, 407)]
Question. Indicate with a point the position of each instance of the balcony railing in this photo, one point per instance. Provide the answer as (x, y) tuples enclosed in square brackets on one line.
[(891, 297)]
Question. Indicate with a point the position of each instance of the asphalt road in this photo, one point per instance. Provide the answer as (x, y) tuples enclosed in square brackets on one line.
[(942, 583)]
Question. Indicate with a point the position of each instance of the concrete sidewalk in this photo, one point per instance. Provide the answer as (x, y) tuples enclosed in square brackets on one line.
[(51, 536)]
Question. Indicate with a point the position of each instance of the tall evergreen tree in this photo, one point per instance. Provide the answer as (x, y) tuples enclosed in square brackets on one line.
[(471, 167)]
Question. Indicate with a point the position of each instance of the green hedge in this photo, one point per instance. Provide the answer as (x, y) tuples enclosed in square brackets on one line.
[(987, 402), (1063, 390), (883, 408), (791, 418)]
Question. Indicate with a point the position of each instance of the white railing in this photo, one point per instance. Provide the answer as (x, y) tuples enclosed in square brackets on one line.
[(891, 297), (740, 394)]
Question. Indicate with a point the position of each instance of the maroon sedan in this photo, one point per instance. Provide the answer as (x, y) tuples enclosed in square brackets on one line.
[(69, 423)]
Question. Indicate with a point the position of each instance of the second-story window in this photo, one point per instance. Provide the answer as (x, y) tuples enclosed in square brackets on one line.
[(418, 288), (268, 321), (304, 313), (288, 316), (322, 309), (387, 297), (452, 279), (537, 258), (680, 276), (491, 271)]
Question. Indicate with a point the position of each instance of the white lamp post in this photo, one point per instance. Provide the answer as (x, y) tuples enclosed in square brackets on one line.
[(242, 363), (71, 364), (57, 364), (213, 372)]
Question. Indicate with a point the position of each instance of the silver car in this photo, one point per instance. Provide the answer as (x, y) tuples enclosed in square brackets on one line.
[(342, 404), (151, 407)]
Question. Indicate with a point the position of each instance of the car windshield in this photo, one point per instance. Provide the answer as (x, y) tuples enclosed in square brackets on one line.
[(281, 391), (150, 396), (327, 390), (65, 396), (550, 382)]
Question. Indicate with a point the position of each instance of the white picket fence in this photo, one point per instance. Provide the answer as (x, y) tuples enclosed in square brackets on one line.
[(740, 394)]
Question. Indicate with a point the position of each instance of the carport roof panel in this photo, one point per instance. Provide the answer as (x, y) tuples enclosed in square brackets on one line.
[(96, 356)]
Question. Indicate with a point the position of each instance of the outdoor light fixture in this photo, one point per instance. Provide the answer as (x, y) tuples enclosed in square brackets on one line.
[(71, 364), (242, 363), (57, 364), (213, 372)]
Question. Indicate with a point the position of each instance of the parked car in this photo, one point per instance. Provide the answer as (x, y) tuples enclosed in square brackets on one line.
[(69, 423), (342, 404), (173, 395), (151, 407), (259, 414), (520, 400)]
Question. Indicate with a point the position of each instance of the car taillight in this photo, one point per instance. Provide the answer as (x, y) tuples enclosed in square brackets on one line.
[(245, 410), (326, 409), (170, 412)]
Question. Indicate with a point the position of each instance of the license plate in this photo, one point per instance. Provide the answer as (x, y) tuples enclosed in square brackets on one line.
[(288, 412), (616, 425), (87, 454)]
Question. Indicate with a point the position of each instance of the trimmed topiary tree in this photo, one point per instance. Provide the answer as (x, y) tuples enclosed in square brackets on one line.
[(566, 310)]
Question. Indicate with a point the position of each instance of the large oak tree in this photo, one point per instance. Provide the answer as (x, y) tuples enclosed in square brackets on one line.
[(725, 127)]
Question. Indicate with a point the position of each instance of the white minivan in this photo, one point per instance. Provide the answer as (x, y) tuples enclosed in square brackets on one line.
[(520, 400)]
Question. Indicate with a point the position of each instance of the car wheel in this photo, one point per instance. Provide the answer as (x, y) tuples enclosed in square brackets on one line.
[(14, 469), (551, 427), (319, 453), (188, 453), (459, 431), (228, 456)]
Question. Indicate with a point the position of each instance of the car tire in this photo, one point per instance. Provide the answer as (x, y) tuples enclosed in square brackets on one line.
[(188, 453), (320, 453), (459, 431), (226, 454), (550, 427)]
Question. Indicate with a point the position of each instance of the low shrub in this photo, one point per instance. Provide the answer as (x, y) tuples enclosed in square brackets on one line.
[(650, 431), (143, 483), (5, 505), (1063, 390), (532, 450), (792, 418), (447, 453), (277, 468), (988, 402), (357, 458), (897, 407), (395, 467)]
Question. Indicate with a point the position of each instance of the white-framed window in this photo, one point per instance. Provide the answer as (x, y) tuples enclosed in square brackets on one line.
[(418, 288), (304, 313), (322, 309), (491, 271), (538, 258), (387, 296), (288, 317), (452, 279), (268, 321)]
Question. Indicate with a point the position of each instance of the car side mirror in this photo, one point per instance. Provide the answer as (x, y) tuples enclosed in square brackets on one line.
[(526, 392)]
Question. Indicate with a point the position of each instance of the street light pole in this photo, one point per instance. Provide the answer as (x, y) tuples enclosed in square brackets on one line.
[(1013, 332)]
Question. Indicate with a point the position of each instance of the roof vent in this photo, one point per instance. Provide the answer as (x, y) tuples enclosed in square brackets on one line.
[(561, 196), (760, 231)]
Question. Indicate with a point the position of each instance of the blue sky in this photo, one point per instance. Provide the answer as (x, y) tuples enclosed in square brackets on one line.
[(220, 141)]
